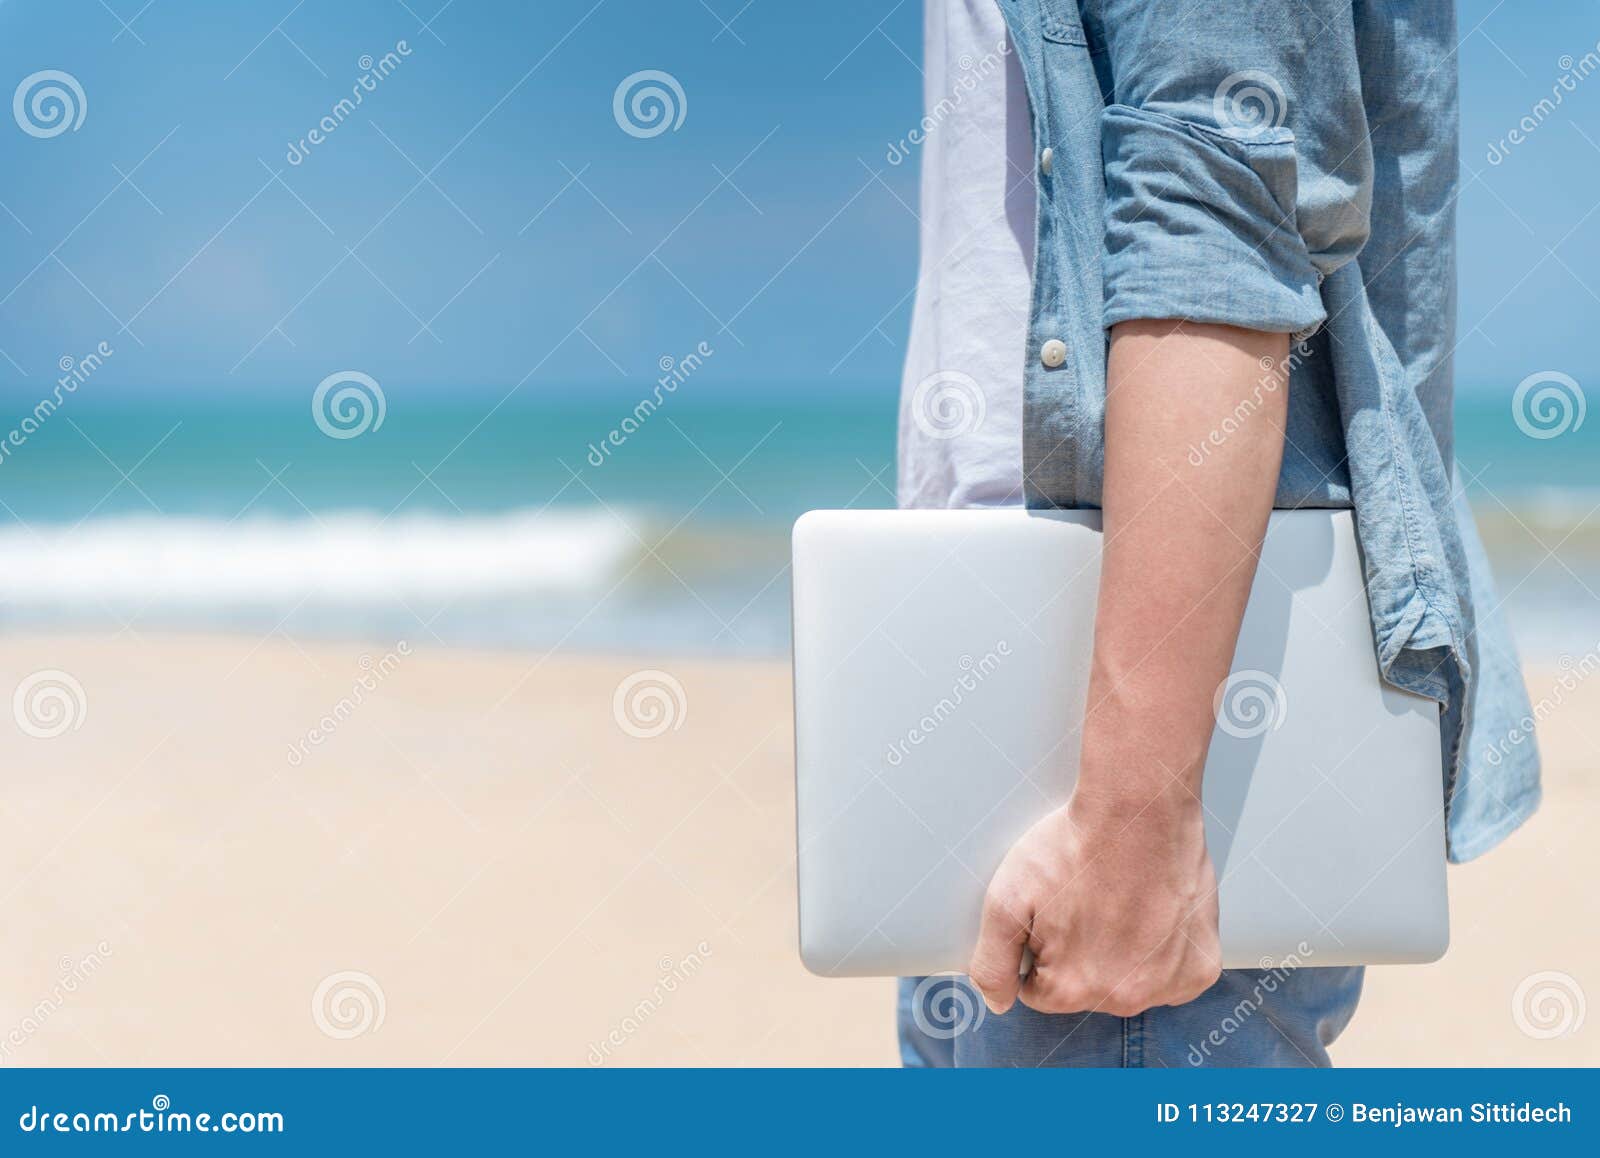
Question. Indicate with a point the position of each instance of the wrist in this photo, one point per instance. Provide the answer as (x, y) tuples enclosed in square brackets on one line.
[(1142, 756), (1136, 802), (1133, 771)]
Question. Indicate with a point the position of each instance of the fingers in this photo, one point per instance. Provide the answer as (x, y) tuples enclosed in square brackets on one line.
[(1046, 991), (1092, 988), (997, 962)]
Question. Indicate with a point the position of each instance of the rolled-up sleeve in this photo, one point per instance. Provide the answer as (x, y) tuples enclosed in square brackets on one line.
[(1237, 162)]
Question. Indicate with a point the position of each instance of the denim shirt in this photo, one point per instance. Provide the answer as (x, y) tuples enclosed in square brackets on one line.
[(1289, 167)]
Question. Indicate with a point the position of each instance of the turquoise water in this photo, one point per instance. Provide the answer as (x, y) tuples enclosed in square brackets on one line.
[(456, 521)]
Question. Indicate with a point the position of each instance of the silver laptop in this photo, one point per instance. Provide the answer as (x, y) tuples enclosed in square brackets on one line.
[(941, 664)]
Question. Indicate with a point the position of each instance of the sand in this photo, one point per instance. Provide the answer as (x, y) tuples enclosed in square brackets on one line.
[(472, 863)]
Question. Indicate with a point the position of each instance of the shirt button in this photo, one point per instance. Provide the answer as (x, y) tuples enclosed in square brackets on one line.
[(1045, 159), (1053, 353)]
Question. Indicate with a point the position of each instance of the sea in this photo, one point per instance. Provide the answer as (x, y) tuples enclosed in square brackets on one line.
[(540, 519)]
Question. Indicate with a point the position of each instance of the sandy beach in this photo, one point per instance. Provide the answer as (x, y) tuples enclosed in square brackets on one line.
[(243, 852)]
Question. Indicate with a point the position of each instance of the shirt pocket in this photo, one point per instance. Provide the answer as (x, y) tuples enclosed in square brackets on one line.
[(1062, 23)]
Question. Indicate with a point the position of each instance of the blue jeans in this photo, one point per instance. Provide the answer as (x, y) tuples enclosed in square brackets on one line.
[(1273, 1017)]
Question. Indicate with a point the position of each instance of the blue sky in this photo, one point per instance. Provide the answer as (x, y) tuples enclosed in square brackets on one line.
[(481, 219)]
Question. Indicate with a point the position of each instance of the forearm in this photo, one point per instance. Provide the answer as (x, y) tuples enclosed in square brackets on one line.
[(1181, 543)]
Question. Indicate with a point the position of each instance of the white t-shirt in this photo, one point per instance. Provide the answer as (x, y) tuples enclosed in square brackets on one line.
[(961, 395)]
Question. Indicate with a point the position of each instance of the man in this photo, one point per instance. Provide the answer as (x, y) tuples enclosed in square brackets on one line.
[(1227, 218)]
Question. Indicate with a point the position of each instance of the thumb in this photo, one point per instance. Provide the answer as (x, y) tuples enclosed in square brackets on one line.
[(996, 964)]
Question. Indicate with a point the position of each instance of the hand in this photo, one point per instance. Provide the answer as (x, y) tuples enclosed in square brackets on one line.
[(1118, 902)]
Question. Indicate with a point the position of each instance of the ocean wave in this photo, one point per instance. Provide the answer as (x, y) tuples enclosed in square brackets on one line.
[(341, 558)]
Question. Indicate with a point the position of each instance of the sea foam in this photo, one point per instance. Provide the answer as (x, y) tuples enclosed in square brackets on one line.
[(330, 558)]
